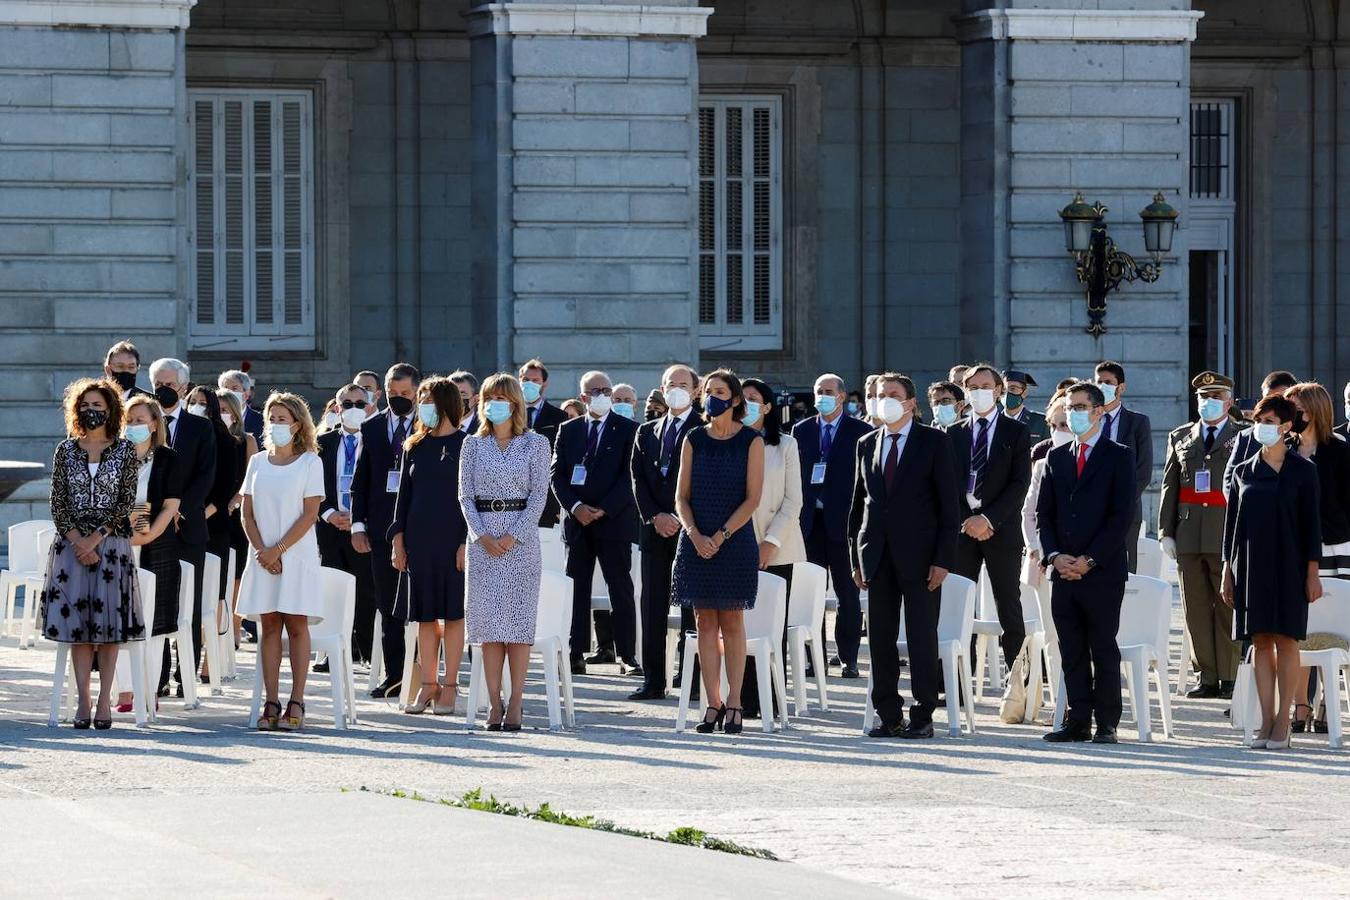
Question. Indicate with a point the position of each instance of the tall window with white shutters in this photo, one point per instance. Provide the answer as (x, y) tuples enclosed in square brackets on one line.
[(251, 212), (740, 223)]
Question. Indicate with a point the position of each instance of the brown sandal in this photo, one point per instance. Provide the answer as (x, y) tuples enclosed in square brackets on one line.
[(268, 720), (289, 722)]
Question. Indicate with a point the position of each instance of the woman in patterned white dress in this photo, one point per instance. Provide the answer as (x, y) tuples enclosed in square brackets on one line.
[(503, 484)]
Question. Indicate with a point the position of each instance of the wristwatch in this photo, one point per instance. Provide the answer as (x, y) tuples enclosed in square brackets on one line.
[(726, 535), (1092, 563)]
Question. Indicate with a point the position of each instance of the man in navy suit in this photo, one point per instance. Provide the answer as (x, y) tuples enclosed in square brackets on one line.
[(993, 463), (374, 490), (543, 417), (1083, 517), (825, 446), (655, 471), (903, 522), (1133, 429), (468, 392), (339, 450), (590, 479)]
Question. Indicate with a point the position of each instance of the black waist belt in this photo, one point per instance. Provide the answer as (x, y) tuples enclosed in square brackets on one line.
[(498, 505)]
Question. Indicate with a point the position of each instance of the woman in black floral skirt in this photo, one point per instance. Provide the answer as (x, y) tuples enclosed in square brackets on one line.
[(90, 598)]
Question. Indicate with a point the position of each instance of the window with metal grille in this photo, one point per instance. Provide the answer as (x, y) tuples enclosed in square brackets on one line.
[(1212, 149), (251, 212), (740, 223)]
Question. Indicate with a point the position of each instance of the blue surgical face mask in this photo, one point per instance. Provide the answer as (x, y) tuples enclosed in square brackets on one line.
[(826, 405), (752, 411), (1080, 421), (531, 391), (1266, 434), (1108, 392), (625, 410), (498, 411), (426, 412), (715, 406), (138, 433), (1211, 409), (852, 407), (280, 433), (945, 414)]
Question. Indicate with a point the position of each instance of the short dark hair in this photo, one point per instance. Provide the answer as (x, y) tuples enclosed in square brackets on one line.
[(773, 424), (950, 387), (1090, 388), (733, 383), (1279, 380), (1109, 367), (903, 380), (983, 367), (460, 376), (532, 364), (122, 347), (365, 373), (400, 371), (1284, 409), (1065, 384)]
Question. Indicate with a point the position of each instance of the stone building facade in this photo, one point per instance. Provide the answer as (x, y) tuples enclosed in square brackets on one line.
[(321, 186)]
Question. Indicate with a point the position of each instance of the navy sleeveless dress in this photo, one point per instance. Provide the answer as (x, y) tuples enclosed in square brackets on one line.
[(731, 578)]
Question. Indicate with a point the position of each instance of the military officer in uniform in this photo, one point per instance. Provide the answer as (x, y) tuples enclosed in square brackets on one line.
[(1018, 386), (1190, 523)]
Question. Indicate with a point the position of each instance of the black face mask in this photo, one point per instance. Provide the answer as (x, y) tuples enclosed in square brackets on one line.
[(93, 418), (400, 405), (167, 396), (125, 380), (1299, 425)]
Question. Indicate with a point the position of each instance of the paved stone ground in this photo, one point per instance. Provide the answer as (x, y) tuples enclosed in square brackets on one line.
[(997, 813)]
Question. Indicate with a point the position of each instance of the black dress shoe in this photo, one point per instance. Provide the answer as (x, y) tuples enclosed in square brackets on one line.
[(178, 692), (163, 691), (1225, 690), (321, 665), (630, 667), (601, 657), (1069, 733), (834, 661), (915, 730), (1104, 736), (1203, 692), (882, 730), (850, 672), (387, 688), (578, 667), (810, 671), (647, 694)]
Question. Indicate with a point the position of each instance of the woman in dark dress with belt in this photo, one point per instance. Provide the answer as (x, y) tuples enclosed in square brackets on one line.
[(1272, 545), (428, 536), (717, 560)]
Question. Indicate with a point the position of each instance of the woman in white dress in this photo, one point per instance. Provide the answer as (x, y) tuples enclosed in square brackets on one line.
[(282, 490)]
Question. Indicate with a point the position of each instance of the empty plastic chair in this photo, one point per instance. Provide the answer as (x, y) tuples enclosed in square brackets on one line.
[(183, 636), (25, 562), (987, 630), (32, 589), (806, 614), (1150, 558)]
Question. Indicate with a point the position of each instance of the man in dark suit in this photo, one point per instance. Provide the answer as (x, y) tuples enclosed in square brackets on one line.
[(1133, 429), (468, 392), (339, 450), (903, 522), (1276, 382), (121, 364), (1017, 391), (543, 417), (590, 474), (993, 463), (193, 440), (825, 445), (374, 490), (1083, 518), (655, 470)]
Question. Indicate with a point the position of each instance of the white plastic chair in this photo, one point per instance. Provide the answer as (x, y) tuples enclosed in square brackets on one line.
[(1051, 646), (1150, 556), (956, 620), (1143, 635), (63, 675), (987, 630), (552, 634), (183, 636), (230, 667), (806, 613), (1036, 636), (600, 601), (331, 636), (376, 653), (32, 590), (210, 607), (26, 562)]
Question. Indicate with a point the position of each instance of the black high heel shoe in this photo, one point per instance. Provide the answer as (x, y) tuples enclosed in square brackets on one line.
[(1300, 724), (708, 726), (81, 724), (735, 720)]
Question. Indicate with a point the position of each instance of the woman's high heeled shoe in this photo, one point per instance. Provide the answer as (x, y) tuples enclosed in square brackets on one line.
[(439, 707), (500, 713), (416, 708), (1300, 723), (289, 722), (708, 726), (1273, 744), (735, 720)]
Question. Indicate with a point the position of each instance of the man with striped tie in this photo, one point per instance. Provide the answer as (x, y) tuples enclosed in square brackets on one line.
[(993, 464)]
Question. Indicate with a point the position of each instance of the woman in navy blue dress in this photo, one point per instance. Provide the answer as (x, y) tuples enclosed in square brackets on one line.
[(717, 559), (428, 536)]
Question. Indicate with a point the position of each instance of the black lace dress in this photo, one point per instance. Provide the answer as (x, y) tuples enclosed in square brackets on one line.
[(98, 604)]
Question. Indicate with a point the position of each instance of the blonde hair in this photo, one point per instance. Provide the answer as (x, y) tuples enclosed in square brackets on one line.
[(1316, 403), (303, 440), (158, 436), (236, 410), (503, 386)]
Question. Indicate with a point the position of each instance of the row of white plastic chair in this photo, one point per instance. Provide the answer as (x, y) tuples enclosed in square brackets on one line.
[(30, 544)]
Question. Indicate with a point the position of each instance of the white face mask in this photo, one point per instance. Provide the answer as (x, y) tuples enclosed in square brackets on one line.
[(239, 395), (678, 399), (1060, 438), (982, 400), (197, 409), (872, 407), (352, 418), (227, 419), (601, 405), (1268, 435), (280, 433), (1108, 392), (331, 419), (890, 410)]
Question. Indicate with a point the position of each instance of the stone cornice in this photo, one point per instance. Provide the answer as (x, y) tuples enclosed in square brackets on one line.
[(98, 13), (588, 20), (1110, 26)]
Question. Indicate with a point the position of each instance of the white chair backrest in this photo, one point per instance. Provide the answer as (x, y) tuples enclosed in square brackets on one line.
[(187, 593), (1047, 617), (553, 617), (1332, 612), (339, 603), (1150, 558), (807, 594), (766, 619), (145, 581), (23, 548), (45, 538), (211, 575), (1031, 605), (956, 617), (1145, 615), (553, 554), (551, 535)]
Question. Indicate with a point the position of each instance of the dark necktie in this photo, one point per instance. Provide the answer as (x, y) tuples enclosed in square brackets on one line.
[(168, 427), (979, 456), (668, 439), (1209, 438), (892, 460), (826, 441), (1107, 421), (1082, 458), (532, 414), (400, 435), (592, 440)]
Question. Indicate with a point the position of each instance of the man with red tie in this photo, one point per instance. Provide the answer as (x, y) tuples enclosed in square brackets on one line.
[(1083, 517), (903, 525)]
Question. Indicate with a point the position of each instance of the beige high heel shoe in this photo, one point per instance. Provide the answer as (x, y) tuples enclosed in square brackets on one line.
[(438, 708), (416, 709)]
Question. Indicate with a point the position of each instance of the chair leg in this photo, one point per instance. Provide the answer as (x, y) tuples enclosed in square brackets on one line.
[(1184, 665), (980, 662), (780, 684), (1332, 687), (1138, 675), (7, 590), (869, 714), (797, 661), (1164, 697), (411, 642), (1061, 702), (568, 696), (185, 657), (28, 625), (475, 689), (548, 656), (686, 684), (377, 655), (953, 683), (764, 677), (336, 688), (1131, 700), (1033, 707), (348, 681), (994, 656), (136, 659), (672, 646), (968, 681), (211, 642), (818, 662)]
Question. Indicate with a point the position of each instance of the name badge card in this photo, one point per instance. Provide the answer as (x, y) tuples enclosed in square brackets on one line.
[(578, 474), (1202, 482), (970, 484), (391, 482), (818, 473)]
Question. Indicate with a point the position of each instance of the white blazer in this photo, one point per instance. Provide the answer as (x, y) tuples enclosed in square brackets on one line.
[(778, 517)]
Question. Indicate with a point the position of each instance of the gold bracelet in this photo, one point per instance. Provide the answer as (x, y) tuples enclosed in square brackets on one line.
[(281, 546)]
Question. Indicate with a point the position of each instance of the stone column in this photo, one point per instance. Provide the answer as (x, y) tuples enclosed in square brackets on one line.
[(585, 132), (1062, 100), (93, 104)]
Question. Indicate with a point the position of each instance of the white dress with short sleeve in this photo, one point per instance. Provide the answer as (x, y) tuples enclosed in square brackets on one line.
[(279, 494)]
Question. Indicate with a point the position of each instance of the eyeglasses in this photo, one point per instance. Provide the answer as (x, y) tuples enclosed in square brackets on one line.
[(1082, 407), (600, 392), (353, 404)]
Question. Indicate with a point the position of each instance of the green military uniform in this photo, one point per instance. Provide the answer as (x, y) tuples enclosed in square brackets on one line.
[(1191, 513), (1035, 422)]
